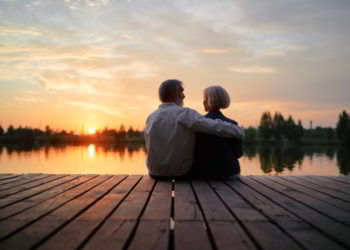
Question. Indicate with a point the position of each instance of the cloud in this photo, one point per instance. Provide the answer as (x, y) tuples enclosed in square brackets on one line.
[(253, 70), (128, 37), (34, 52), (111, 49), (8, 30), (220, 51), (29, 99), (98, 107), (135, 69), (80, 4)]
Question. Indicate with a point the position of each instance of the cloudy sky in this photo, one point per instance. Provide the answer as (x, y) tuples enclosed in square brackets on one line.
[(76, 64)]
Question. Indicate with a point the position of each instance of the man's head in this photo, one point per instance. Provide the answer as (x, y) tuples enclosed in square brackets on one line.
[(172, 91)]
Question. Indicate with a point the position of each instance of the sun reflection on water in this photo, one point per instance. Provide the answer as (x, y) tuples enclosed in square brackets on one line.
[(91, 151)]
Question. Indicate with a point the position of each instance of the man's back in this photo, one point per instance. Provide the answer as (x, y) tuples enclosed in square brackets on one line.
[(171, 145)]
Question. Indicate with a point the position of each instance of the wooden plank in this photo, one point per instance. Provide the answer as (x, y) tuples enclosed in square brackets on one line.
[(60, 186), (230, 235), (7, 201), (30, 185), (114, 232), (14, 224), (4, 175), (159, 206), (152, 234), (186, 207), (305, 234), (24, 180), (8, 176), (39, 231), (219, 220), (259, 226), (345, 206), (213, 208), (188, 219), (333, 229), (81, 227), (342, 179), (328, 183), (11, 180), (301, 181), (319, 205), (153, 229), (191, 235)]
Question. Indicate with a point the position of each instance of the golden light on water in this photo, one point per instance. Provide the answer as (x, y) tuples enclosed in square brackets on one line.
[(92, 151)]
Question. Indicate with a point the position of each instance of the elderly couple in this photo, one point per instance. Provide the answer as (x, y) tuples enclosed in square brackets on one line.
[(181, 143)]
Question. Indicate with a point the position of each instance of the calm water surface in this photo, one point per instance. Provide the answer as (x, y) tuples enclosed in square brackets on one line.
[(130, 159)]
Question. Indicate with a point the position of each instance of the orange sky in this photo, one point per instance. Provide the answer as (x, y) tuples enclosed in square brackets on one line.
[(94, 63)]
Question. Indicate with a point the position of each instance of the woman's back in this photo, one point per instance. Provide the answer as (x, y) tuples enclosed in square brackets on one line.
[(216, 157)]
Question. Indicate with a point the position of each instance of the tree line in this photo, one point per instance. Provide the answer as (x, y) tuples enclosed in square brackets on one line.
[(48, 135), (272, 127), (276, 127)]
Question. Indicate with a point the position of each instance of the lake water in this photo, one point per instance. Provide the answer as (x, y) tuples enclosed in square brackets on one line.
[(130, 159)]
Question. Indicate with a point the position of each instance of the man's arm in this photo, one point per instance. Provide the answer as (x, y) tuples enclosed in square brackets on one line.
[(199, 123)]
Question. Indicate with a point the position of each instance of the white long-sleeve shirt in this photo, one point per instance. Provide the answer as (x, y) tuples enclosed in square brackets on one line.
[(170, 138)]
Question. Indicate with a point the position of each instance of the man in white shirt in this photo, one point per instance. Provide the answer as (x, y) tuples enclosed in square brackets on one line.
[(170, 132)]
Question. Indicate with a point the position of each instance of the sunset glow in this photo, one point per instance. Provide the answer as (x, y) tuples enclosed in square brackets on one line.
[(91, 131), (70, 63)]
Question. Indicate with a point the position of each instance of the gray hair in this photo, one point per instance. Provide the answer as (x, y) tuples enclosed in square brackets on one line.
[(167, 90), (217, 97)]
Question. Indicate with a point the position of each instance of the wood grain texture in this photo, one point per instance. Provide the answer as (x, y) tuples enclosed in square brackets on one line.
[(137, 212), (326, 225), (297, 228)]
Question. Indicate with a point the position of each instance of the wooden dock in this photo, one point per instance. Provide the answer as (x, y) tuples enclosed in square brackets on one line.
[(40, 211)]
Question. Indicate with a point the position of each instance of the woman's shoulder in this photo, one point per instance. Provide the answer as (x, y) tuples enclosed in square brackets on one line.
[(219, 115)]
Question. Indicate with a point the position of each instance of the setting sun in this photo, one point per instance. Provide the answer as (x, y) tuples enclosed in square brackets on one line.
[(91, 131)]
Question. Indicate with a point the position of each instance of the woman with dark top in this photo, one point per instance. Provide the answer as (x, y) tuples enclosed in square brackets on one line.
[(216, 157)]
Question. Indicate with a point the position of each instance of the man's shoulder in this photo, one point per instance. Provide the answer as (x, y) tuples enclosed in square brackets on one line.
[(178, 109), (170, 110)]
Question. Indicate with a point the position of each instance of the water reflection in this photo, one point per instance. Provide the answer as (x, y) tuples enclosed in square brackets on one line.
[(92, 150), (74, 159), (343, 160), (130, 159), (280, 158)]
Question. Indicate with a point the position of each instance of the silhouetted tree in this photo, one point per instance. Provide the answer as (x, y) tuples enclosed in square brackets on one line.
[(289, 131), (343, 128), (278, 126), (330, 133), (265, 127), (10, 130), (299, 130), (250, 135), (130, 132), (1, 131), (109, 132), (121, 132), (342, 123), (48, 130)]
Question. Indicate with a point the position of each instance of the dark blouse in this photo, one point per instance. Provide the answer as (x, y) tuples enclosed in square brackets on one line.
[(216, 157)]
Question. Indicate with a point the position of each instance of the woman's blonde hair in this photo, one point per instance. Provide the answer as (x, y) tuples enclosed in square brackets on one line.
[(217, 97)]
